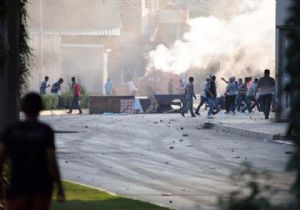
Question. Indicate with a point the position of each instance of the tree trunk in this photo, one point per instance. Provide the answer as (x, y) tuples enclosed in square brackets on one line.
[(10, 69)]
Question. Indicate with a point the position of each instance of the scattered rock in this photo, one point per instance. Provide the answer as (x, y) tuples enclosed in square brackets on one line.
[(181, 128), (180, 140), (86, 126), (155, 122), (237, 157), (167, 163), (66, 161), (174, 142), (190, 145), (170, 201), (161, 120), (232, 150), (288, 153), (166, 194), (171, 147), (185, 134)]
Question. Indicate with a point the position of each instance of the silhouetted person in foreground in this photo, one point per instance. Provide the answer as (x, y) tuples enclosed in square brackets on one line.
[(30, 147)]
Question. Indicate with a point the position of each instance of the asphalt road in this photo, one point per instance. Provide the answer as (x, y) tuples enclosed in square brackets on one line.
[(163, 159)]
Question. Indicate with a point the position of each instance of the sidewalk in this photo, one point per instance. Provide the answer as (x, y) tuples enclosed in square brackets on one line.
[(250, 125), (60, 112)]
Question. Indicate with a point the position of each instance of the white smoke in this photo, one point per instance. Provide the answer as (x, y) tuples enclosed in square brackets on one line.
[(243, 45)]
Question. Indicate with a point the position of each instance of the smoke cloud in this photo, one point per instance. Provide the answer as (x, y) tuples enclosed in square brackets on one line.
[(242, 45)]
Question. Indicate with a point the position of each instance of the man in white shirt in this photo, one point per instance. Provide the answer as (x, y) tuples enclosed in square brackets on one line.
[(203, 98)]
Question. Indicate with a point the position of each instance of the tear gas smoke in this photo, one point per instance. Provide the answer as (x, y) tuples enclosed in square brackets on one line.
[(243, 45)]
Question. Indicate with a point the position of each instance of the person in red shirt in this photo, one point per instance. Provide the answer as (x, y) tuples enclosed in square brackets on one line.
[(76, 96)]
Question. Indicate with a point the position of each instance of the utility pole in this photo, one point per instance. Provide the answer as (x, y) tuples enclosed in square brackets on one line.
[(9, 69)]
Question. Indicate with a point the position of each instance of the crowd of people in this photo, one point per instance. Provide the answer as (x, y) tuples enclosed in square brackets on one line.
[(56, 89), (240, 96)]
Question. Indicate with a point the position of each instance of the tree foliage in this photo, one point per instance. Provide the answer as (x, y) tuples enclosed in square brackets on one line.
[(25, 50)]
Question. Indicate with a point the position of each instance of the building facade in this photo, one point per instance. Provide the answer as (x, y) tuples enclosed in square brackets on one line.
[(71, 38)]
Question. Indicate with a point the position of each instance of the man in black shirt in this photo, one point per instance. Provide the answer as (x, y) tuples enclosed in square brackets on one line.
[(30, 147), (211, 94), (55, 89)]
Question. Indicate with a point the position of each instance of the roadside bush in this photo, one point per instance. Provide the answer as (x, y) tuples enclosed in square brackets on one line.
[(64, 100), (84, 101), (50, 101), (253, 191)]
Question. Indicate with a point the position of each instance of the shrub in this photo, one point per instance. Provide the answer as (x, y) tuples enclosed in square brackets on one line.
[(50, 101), (84, 101), (64, 100), (61, 102), (253, 191), (54, 102)]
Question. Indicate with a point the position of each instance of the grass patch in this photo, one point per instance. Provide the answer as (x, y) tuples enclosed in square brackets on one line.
[(85, 198)]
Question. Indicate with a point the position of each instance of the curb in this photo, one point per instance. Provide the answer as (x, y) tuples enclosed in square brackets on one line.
[(90, 186), (243, 132)]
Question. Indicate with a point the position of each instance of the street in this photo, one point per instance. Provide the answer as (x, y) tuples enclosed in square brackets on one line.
[(163, 159)]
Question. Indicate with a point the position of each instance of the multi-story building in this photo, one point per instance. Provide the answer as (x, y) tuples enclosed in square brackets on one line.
[(96, 39), (71, 38)]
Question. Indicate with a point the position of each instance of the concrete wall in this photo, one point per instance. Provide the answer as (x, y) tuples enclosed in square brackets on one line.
[(86, 63), (51, 67)]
